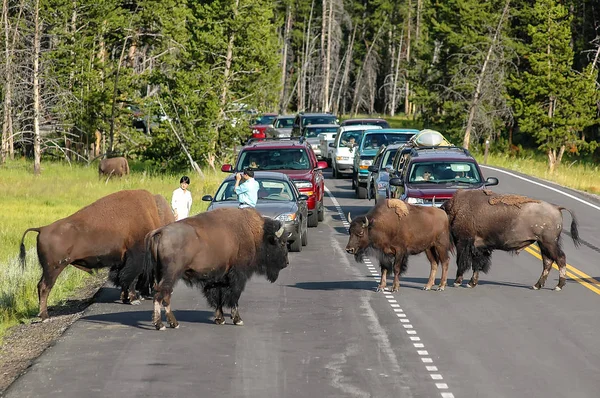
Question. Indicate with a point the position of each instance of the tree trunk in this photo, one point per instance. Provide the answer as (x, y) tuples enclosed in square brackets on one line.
[(355, 101), (227, 71), (346, 73), (305, 62), (476, 96), (114, 100), (408, 44), (286, 38), (7, 122), (395, 81), (37, 140), (326, 103)]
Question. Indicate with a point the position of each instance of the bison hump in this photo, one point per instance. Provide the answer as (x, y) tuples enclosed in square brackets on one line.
[(399, 207), (511, 200)]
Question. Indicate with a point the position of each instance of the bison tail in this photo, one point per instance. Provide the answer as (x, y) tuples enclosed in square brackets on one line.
[(151, 256), (574, 229), (471, 257), (22, 247)]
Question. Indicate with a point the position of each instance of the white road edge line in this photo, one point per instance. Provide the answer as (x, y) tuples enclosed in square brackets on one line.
[(400, 313)]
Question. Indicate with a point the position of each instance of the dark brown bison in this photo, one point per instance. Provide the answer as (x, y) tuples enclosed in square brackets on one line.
[(113, 167), (395, 230), (217, 251), (107, 233), (482, 221)]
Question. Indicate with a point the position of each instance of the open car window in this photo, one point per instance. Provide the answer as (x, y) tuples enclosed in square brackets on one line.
[(274, 159), (444, 172)]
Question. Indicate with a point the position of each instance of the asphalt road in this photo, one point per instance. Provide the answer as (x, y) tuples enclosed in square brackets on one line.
[(322, 331)]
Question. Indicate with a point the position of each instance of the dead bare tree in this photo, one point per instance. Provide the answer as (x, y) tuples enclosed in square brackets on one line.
[(480, 79), (284, 59), (37, 142)]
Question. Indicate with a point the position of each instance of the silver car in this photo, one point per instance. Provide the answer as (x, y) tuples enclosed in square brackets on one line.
[(278, 198), (282, 127), (311, 135), (378, 180)]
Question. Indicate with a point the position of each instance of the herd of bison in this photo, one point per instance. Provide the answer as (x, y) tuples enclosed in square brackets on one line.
[(134, 233)]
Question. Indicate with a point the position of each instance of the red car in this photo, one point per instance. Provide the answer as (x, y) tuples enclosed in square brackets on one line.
[(294, 158), (260, 125)]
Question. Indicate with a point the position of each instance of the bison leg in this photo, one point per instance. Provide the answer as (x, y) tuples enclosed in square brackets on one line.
[(169, 314), (459, 279), (219, 317), (47, 281), (400, 266), (156, 316), (444, 259), (383, 283), (432, 261), (235, 316), (163, 298)]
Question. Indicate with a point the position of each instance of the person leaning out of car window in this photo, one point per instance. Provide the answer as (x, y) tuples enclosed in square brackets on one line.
[(246, 190), (426, 175)]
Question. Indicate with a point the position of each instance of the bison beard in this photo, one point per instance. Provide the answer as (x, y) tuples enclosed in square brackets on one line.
[(218, 252)]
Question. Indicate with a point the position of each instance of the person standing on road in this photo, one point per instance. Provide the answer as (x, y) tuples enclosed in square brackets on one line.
[(247, 190), (181, 202)]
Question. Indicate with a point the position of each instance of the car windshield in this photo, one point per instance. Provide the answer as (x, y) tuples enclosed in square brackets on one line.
[(443, 172), (374, 141), (383, 123), (274, 159), (308, 120), (270, 190), (284, 123), (388, 157), (313, 132), (265, 119), (351, 137)]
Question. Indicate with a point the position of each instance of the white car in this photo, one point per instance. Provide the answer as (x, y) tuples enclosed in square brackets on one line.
[(341, 151), (324, 140)]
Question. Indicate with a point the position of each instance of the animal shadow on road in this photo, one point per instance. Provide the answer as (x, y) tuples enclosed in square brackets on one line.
[(143, 319), (333, 285)]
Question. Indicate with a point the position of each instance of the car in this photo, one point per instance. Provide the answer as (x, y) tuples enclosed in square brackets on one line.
[(366, 150), (260, 125), (368, 121), (311, 134), (341, 151), (377, 182), (294, 158), (281, 128), (303, 119), (278, 198), (431, 175), (324, 140)]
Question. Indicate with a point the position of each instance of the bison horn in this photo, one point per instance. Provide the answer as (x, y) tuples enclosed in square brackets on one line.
[(349, 218), (366, 223), (279, 232)]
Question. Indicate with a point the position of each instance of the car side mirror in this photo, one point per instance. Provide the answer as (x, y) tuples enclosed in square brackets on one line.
[(321, 165), (227, 168), (373, 169), (207, 198), (397, 182), (331, 145), (302, 197), (491, 181)]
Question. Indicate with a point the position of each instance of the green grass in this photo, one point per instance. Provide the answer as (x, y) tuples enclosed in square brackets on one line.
[(33, 201)]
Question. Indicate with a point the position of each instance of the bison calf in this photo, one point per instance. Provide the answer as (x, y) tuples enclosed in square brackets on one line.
[(107, 233), (113, 167), (395, 230), (483, 221), (217, 251)]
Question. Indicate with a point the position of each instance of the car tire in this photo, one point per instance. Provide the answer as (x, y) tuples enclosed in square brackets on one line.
[(353, 183), (361, 192), (296, 246), (313, 219), (321, 211), (305, 238)]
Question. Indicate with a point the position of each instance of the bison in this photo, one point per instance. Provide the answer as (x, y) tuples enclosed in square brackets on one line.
[(396, 230), (107, 233), (113, 167), (217, 251), (482, 221)]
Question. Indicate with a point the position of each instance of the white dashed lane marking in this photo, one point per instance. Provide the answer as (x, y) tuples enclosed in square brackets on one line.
[(423, 354)]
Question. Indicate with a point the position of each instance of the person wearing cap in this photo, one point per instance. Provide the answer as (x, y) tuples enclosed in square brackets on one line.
[(246, 190), (181, 202)]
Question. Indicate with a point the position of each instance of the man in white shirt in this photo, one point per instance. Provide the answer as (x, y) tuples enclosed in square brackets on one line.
[(181, 202), (247, 191)]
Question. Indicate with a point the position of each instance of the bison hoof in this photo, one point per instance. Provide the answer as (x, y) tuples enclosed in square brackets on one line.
[(557, 289), (160, 326), (469, 285), (535, 287), (426, 287), (239, 323), (174, 325), (219, 321), (457, 284), (441, 288), (380, 289), (135, 302)]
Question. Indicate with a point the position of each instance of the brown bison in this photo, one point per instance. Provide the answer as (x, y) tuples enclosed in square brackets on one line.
[(482, 221), (107, 233), (217, 251), (396, 230), (113, 167)]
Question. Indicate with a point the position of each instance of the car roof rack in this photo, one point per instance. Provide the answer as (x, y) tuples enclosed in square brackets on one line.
[(258, 140), (414, 150)]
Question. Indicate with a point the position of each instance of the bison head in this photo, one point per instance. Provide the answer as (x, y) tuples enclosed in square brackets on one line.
[(274, 256), (359, 237)]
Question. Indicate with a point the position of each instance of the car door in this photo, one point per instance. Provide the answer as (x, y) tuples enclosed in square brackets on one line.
[(373, 175)]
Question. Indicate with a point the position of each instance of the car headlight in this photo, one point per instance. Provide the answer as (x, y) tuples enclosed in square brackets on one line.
[(382, 185), (415, 201), (364, 164), (285, 217), (315, 146), (303, 184), (342, 158)]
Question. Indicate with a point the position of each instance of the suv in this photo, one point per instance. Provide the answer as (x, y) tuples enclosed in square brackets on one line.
[(303, 119), (371, 122), (294, 158), (341, 151), (260, 125), (312, 134), (430, 175), (366, 150), (377, 183)]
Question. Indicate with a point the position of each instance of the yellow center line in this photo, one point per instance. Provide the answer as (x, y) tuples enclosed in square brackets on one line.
[(572, 272)]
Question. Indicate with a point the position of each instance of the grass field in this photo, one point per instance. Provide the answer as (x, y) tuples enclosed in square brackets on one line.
[(29, 201)]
